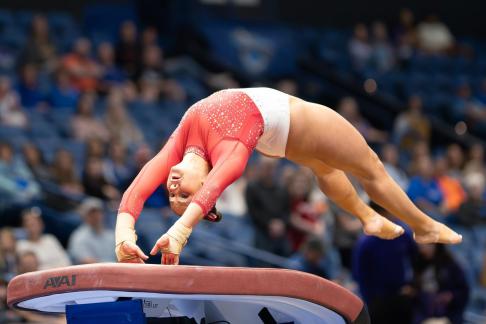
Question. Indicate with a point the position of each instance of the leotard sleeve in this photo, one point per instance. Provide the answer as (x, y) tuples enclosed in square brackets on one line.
[(229, 160), (152, 175)]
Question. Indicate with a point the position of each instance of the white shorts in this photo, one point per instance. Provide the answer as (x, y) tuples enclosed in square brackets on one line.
[(274, 106)]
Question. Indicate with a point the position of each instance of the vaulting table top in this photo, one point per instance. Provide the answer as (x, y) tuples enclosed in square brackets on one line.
[(184, 280)]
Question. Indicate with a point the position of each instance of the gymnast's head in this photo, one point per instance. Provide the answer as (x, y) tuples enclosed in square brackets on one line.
[(184, 180)]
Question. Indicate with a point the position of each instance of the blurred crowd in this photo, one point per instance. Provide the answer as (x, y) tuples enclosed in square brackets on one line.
[(94, 94), (414, 56), (375, 46)]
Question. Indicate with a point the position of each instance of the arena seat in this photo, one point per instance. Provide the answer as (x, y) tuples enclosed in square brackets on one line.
[(234, 295), (5, 19), (12, 37), (60, 21)]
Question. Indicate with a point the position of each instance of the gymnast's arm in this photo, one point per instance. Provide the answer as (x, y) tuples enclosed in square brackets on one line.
[(229, 159), (149, 178)]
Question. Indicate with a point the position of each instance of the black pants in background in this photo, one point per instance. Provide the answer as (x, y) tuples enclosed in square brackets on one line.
[(395, 309)]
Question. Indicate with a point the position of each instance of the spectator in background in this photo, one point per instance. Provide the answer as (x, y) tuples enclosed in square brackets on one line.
[(348, 108), (389, 156), (216, 81), (442, 289), (40, 49), (83, 71), (150, 88), (116, 168), (384, 273), (359, 47), (451, 188), (11, 113), (476, 115), (434, 37), (118, 122), (35, 161), (8, 259), (49, 252), (405, 37), (305, 219), (472, 212), (95, 148), (411, 126), (475, 164), (129, 91), (406, 24), (382, 52), (269, 208), (84, 124), (142, 155), (63, 94), (95, 183), (286, 173), (92, 242), (111, 75), (5, 313), (465, 106), (150, 37), (424, 189), (27, 262), (420, 150), (8, 57), (232, 200), (28, 88), (17, 184), (347, 230), (152, 76), (63, 173), (288, 86), (8, 269), (455, 160), (312, 258), (128, 50), (152, 61), (483, 273)]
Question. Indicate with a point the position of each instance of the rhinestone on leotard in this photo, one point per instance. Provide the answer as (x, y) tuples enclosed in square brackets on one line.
[(228, 114), (223, 115), (197, 150)]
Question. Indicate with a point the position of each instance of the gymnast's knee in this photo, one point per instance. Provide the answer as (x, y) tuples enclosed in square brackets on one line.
[(374, 170)]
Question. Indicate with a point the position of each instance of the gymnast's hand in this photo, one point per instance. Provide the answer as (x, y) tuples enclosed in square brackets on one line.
[(126, 248), (171, 243), (129, 252)]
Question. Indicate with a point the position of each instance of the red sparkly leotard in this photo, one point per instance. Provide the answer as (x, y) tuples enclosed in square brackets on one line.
[(223, 128)]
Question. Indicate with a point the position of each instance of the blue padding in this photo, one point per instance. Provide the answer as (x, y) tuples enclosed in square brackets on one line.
[(122, 312)]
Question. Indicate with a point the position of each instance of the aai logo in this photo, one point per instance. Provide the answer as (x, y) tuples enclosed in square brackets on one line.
[(56, 282)]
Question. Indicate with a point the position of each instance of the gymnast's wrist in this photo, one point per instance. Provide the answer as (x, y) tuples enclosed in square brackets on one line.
[(128, 235), (180, 232), (125, 229), (192, 215)]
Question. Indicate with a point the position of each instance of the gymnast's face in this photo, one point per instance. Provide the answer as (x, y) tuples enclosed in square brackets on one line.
[(182, 184)]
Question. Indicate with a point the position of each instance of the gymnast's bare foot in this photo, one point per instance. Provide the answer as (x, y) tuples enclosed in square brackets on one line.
[(381, 227), (437, 233)]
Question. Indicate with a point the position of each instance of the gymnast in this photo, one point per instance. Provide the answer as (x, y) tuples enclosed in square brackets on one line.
[(213, 142)]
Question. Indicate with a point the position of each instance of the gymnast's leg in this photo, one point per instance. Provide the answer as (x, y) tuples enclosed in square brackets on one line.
[(337, 187), (385, 191), (339, 145)]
